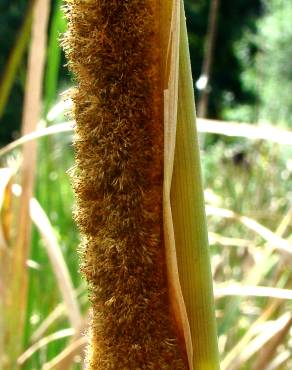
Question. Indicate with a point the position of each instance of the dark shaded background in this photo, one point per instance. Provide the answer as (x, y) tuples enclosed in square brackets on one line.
[(235, 18)]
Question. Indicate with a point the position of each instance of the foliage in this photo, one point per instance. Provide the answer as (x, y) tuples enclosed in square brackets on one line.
[(251, 179), (11, 16), (235, 17), (264, 53), (273, 63), (54, 193)]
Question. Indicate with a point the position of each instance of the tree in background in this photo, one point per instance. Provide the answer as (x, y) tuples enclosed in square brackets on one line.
[(273, 63), (264, 53), (11, 17), (235, 19), (15, 21)]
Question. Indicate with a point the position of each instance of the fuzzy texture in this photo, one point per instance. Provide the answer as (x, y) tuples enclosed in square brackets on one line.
[(113, 49)]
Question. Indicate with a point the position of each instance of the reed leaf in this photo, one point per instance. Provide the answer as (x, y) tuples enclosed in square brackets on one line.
[(248, 336), (223, 290), (39, 133), (189, 221), (272, 330), (64, 333), (16, 310), (65, 359), (170, 122), (58, 264), (6, 175), (245, 130), (272, 238), (267, 353)]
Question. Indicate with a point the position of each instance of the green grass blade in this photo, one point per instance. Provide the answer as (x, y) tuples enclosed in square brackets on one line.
[(15, 59), (189, 221), (58, 27)]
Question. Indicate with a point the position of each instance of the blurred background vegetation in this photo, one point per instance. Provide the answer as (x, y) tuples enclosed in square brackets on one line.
[(241, 54)]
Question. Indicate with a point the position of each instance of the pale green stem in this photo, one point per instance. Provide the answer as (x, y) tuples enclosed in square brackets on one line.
[(187, 202)]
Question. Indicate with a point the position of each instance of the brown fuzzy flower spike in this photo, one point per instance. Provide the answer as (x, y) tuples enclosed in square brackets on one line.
[(113, 49)]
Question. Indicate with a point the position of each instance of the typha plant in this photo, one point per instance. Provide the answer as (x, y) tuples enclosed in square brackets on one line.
[(138, 187)]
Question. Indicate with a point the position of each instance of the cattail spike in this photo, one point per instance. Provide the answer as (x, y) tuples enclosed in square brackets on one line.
[(113, 48)]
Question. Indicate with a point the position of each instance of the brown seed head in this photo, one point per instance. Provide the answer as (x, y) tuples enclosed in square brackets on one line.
[(113, 49)]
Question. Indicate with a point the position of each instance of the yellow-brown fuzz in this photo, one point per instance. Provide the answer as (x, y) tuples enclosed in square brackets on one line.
[(113, 49)]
